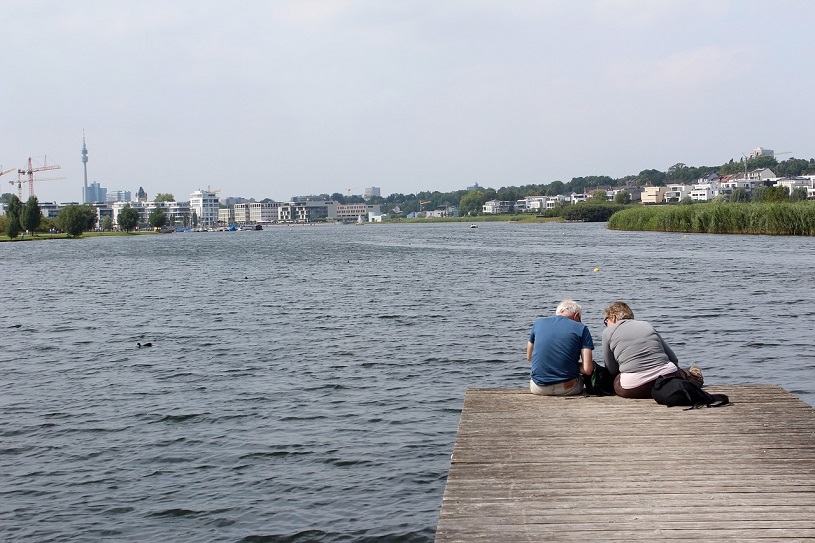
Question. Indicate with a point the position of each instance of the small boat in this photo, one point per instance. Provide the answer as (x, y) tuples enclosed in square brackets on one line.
[(473, 226)]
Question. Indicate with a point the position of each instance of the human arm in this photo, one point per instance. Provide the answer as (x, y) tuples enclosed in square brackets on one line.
[(529, 347), (668, 351), (608, 355), (587, 366)]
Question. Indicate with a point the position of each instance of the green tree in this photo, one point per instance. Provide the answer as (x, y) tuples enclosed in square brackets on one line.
[(758, 194), (686, 201), (798, 194), (194, 219), (107, 224), (777, 194), (31, 215), (652, 177), (472, 203), (740, 195), (599, 196), (128, 218), (6, 198), (75, 219), (157, 218), (164, 197), (623, 197), (792, 167), (555, 187), (13, 211)]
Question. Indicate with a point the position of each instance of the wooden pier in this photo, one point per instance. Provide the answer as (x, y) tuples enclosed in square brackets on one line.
[(532, 468)]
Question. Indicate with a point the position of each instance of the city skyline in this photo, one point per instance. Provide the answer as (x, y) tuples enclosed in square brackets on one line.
[(271, 101)]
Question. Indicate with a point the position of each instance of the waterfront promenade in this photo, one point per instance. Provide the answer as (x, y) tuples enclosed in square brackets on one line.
[(529, 468)]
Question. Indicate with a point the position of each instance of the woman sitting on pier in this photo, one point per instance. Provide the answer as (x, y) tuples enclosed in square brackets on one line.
[(636, 354)]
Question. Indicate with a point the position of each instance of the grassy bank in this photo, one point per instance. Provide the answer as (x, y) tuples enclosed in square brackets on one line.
[(780, 219), (503, 217), (40, 236)]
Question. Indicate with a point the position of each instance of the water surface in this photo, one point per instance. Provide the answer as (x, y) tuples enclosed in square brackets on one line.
[(305, 383)]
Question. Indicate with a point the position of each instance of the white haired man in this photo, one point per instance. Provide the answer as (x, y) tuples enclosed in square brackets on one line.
[(559, 349)]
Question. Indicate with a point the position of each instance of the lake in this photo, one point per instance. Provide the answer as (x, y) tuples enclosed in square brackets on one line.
[(305, 383)]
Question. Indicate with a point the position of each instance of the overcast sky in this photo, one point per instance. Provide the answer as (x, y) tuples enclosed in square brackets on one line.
[(280, 98)]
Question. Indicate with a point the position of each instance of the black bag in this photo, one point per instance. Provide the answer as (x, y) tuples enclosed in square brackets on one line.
[(600, 383), (671, 390)]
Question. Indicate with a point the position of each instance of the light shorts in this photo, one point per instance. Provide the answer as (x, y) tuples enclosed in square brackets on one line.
[(569, 388)]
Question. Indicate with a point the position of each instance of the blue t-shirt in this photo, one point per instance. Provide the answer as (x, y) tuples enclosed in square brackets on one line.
[(557, 343)]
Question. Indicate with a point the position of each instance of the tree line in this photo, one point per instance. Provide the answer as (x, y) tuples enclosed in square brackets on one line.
[(471, 202), (73, 219)]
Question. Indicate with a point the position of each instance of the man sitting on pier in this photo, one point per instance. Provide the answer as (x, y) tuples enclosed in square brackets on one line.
[(560, 348)]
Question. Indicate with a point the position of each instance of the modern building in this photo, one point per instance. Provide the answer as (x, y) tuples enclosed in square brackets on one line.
[(300, 210), (675, 192), (653, 195), (141, 196), (204, 204), (95, 194), (352, 212), (177, 213), (497, 206), (263, 212), (118, 196), (226, 215), (371, 192)]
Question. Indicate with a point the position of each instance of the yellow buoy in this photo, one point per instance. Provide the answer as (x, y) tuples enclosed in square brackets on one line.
[(596, 269)]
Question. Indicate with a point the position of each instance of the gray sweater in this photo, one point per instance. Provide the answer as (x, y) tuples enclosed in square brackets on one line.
[(631, 346)]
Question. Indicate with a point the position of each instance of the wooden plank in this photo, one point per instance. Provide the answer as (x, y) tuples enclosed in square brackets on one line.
[(532, 468)]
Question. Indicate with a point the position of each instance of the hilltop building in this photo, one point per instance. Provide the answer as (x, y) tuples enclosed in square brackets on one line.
[(761, 151), (371, 192)]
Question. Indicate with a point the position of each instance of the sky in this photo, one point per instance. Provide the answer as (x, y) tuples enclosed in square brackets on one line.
[(272, 99)]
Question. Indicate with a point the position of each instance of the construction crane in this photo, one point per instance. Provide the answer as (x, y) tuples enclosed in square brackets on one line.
[(7, 171), (20, 182), (30, 173)]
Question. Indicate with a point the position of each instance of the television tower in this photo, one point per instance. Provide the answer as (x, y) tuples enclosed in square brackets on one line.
[(85, 166)]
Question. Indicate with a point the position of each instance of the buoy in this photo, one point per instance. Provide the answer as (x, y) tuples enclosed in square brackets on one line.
[(596, 269)]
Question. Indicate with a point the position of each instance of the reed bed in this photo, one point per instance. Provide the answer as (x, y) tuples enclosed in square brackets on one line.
[(778, 219)]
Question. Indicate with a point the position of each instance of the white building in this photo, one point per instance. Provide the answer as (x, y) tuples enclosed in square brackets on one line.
[(240, 213), (263, 212), (531, 204), (118, 196), (177, 213), (226, 215), (372, 191), (795, 182), (705, 192), (497, 206), (761, 151), (204, 203), (352, 212)]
